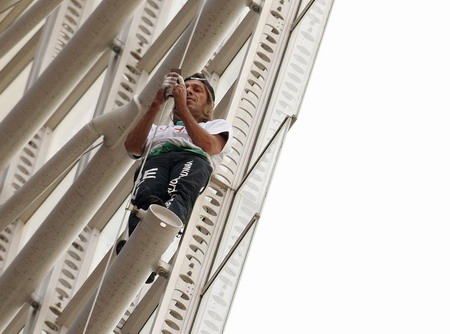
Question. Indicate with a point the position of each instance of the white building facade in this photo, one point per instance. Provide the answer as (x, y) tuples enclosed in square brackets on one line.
[(75, 77)]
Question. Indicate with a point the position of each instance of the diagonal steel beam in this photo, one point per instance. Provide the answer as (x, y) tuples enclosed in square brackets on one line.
[(10, 15), (169, 36), (70, 215), (25, 23), (7, 4), (124, 278), (19, 62), (40, 101)]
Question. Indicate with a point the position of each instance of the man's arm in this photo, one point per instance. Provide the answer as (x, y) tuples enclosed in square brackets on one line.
[(137, 138), (211, 144)]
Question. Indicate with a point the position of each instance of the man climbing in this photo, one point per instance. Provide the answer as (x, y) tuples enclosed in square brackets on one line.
[(182, 155)]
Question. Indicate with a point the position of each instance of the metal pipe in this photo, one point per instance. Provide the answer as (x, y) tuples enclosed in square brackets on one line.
[(7, 4), (125, 277), (114, 125), (60, 228), (73, 211), (67, 219), (9, 16), (41, 100), (302, 14), (58, 231), (216, 18), (215, 21), (230, 253), (46, 175), (16, 65), (25, 23)]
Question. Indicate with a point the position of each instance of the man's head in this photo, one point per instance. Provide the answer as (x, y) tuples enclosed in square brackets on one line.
[(200, 77), (200, 94)]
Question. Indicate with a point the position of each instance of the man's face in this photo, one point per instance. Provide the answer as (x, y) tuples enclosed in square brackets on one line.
[(196, 97)]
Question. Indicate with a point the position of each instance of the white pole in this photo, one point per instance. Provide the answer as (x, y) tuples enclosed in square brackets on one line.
[(40, 101), (58, 231), (72, 212), (25, 23), (45, 176), (115, 125), (125, 277)]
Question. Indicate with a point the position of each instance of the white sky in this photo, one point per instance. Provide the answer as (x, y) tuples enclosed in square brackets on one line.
[(355, 236)]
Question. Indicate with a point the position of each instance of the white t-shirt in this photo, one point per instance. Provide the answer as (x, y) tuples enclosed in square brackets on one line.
[(178, 135)]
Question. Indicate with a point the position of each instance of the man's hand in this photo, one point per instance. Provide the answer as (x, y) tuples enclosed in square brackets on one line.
[(177, 89), (171, 80)]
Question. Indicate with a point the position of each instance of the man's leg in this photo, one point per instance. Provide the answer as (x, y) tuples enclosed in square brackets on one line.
[(189, 175), (151, 187)]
